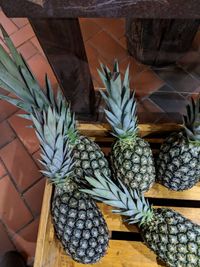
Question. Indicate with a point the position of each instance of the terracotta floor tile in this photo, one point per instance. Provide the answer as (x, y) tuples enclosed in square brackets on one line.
[(148, 112), (36, 156), (107, 47), (88, 28), (3, 171), (179, 79), (13, 211), (7, 23), (5, 242), (25, 134), (22, 35), (36, 43), (20, 22), (25, 240), (94, 58), (6, 110), (191, 63), (122, 41), (134, 69), (34, 196), (21, 166), (114, 26), (146, 82), (27, 50), (170, 102), (40, 67), (6, 133)]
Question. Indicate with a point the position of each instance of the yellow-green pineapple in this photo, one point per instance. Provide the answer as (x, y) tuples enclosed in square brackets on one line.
[(77, 220), (17, 78), (174, 238), (131, 156), (178, 164)]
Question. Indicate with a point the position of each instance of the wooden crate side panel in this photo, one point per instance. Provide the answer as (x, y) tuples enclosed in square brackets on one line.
[(115, 222), (160, 191), (103, 129), (121, 254), (47, 252)]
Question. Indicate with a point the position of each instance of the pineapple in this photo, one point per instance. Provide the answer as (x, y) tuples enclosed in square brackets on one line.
[(78, 222), (16, 78), (131, 156), (174, 238), (178, 164)]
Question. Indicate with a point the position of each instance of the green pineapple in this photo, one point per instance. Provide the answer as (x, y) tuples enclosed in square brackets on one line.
[(131, 156), (175, 239), (17, 78), (78, 222), (179, 158)]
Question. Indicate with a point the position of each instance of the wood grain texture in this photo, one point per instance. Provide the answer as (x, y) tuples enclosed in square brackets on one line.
[(121, 253), (62, 42), (160, 42), (103, 8), (99, 130), (49, 252)]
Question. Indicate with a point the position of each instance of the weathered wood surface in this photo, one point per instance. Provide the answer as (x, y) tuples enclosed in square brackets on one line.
[(103, 8), (63, 45), (49, 252), (160, 42), (99, 130), (132, 253)]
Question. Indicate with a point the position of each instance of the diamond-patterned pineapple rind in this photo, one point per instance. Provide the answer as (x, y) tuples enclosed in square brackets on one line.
[(134, 164), (79, 226), (175, 239), (178, 164)]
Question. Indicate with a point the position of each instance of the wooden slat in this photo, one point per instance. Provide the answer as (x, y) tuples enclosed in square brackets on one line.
[(97, 129), (160, 191), (115, 222), (49, 252), (120, 254)]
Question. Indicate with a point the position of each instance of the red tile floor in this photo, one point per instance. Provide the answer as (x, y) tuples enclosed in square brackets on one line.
[(21, 184)]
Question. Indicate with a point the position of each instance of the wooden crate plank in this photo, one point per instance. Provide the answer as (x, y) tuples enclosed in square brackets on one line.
[(49, 252), (115, 222), (121, 254), (160, 191), (43, 227), (102, 129)]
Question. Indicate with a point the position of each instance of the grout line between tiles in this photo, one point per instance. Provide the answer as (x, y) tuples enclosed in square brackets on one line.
[(9, 233), (15, 184), (111, 62)]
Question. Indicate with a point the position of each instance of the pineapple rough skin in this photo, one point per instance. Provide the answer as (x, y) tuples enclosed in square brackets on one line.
[(79, 225), (134, 164), (88, 158), (175, 239), (178, 163)]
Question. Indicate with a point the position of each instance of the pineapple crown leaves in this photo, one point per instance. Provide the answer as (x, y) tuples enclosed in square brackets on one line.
[(192, 120), (56, 151), (17, 78), (127, 201), (121, 103)]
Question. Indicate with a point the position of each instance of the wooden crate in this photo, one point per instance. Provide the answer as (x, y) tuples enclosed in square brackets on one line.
[(126, 248)]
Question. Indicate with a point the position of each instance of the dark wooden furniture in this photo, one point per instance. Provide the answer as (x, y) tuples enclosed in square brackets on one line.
[(56, 26), (160, 42)]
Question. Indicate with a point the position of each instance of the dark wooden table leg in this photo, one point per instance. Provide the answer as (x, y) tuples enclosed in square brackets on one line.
[(159, 42), (63, 46)]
